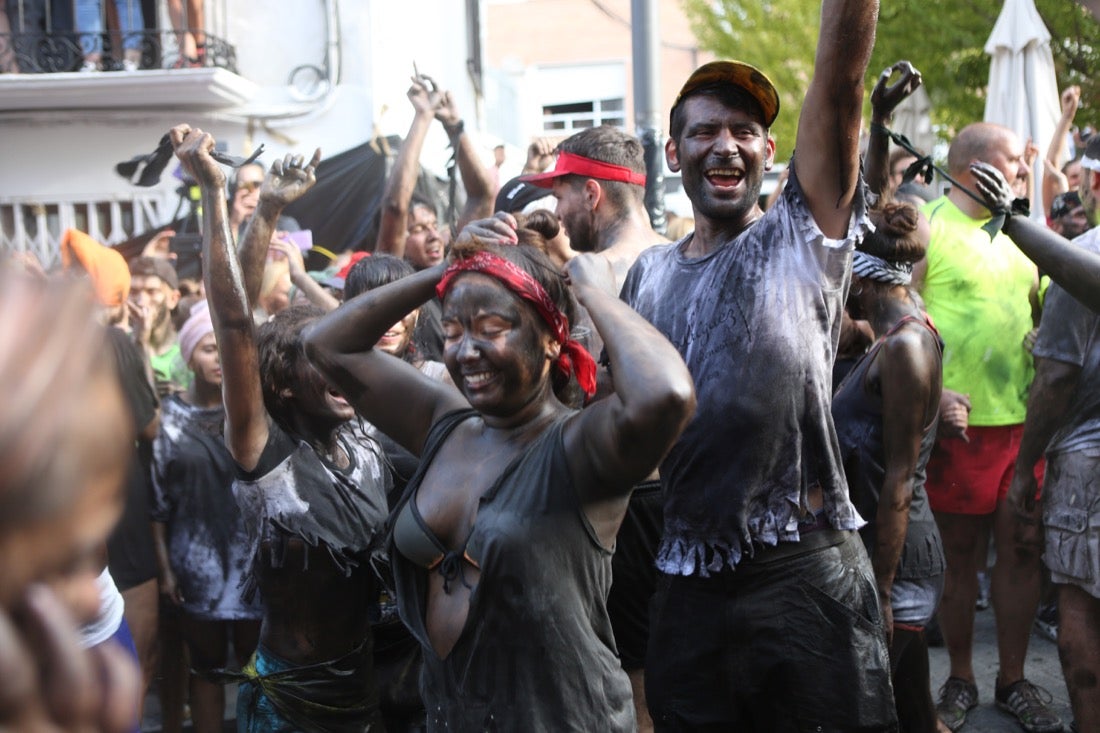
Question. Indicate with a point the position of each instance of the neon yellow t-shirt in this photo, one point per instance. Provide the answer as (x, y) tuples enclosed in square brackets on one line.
[(976, 291)]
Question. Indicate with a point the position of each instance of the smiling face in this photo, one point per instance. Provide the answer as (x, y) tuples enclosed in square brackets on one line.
[(496, 348), (396, 340), (295, 394), (424, 246), (315, 402), (722, 154)]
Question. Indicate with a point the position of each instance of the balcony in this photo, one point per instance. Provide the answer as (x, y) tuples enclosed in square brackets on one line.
[(41, 60)]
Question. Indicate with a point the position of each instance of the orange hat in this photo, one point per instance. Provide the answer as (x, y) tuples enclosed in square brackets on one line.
[(736, 74), (106, 267)]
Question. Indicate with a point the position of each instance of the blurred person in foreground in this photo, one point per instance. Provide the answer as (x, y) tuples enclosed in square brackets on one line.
[(65, 441)]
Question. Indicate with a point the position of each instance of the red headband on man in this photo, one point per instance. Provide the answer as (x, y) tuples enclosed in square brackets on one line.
[(574, 358), (571, 164)]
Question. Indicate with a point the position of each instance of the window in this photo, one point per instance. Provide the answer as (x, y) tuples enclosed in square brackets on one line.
[(572, 116)]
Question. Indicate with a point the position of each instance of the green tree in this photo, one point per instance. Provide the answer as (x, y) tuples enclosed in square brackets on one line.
[(943, 38), (776, 36)]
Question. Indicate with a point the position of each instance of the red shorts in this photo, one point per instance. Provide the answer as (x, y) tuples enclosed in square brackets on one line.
[(972, 478)]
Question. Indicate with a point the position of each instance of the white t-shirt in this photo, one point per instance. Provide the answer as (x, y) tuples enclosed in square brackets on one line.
[(110, 613)]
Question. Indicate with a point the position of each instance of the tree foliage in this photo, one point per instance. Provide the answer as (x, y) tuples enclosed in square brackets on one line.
[(943, 38)]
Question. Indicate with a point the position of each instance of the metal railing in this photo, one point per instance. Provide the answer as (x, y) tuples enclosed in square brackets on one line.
[(30, 225), (50, 36), (60, 51)]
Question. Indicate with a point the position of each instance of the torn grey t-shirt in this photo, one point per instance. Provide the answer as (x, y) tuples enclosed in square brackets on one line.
[(757, 322)]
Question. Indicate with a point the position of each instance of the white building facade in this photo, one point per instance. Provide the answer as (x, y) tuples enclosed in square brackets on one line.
[(296, 74)]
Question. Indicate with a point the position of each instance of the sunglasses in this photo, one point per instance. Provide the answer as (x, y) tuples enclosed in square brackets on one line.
[(249, 186)]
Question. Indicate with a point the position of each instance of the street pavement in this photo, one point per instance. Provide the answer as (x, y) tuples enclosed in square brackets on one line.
[(1042, 668)]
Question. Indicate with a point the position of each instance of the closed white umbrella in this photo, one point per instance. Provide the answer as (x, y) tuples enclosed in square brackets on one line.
[(1023, 90)]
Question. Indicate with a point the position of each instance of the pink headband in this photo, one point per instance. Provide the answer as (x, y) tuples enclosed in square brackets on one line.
[(198, 325), (574, 358)]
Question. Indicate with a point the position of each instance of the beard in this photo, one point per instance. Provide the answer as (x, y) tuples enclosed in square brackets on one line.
[(722, 209), (582, 232)]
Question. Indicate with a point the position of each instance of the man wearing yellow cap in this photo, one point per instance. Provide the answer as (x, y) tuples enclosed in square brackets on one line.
[(766, 616)]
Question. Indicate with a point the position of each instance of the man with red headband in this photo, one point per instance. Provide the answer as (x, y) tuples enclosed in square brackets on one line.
[(599, 183), (766, 616)]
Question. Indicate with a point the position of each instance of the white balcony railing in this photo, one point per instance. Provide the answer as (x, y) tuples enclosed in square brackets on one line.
[(30, 225)]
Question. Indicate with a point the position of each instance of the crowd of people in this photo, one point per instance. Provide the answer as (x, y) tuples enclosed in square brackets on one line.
[(541, 468)]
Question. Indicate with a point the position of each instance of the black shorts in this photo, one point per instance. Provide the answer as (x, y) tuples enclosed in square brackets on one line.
[(634, 573), (776, 646)]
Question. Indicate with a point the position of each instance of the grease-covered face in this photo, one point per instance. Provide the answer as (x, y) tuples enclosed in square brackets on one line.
[(149, 291), (721, 155), (316, 400), (424, 247), (496, 348)]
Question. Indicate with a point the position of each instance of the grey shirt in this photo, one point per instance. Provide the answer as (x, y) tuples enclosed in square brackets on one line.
[(193, 495), (1070, 333), (757, 322)]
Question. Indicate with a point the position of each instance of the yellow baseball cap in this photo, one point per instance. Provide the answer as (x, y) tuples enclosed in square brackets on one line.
[(738, 74)]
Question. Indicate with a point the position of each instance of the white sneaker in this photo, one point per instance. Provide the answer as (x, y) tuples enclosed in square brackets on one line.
[(89, 66), (129, 65)]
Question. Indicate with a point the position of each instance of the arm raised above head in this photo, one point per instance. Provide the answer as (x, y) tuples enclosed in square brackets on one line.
[(391, 394), (284, 183), (245, 415), (475, 177), (885, 97), (827, 157), (397, 195)]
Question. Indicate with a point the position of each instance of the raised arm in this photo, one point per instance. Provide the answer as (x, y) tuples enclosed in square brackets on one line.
[(300, 278), (1076, 269), (885, 98), (402, 181), (1054, 181), (285, 182), (618, 441), (827, 158), (475, 177), (390, 393), (230, 310)]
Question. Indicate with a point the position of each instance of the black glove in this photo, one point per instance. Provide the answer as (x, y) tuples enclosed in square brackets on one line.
[(998, 195)]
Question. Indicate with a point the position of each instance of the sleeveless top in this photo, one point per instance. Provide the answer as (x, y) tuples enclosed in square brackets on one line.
[(537, 652), (857, 414), (293, 493)]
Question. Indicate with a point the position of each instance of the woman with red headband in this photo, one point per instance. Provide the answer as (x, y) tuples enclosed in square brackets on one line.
[(501, 547)]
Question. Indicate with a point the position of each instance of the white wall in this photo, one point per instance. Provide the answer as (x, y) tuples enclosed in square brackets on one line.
[(57, 155)]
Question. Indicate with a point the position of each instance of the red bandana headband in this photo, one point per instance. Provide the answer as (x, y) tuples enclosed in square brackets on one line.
[(574, 358), (573, 164)]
